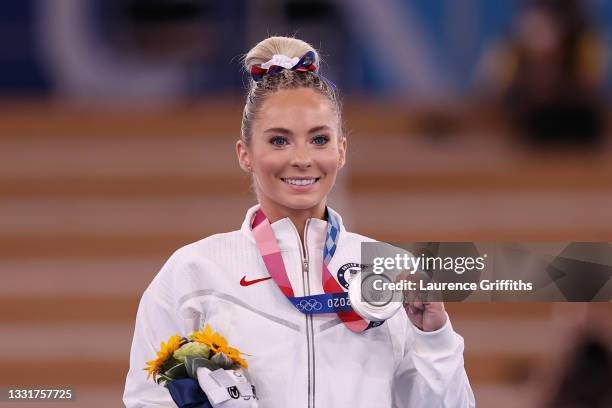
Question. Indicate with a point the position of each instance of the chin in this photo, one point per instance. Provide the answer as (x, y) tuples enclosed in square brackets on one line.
[(302, 204)]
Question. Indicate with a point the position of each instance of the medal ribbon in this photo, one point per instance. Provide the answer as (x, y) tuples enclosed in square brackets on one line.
[(334, 300)]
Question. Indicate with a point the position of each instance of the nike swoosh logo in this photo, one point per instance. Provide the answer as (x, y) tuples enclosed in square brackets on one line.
[(244, 282)]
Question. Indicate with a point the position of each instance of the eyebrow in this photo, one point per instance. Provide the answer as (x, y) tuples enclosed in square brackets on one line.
[(287, 131)]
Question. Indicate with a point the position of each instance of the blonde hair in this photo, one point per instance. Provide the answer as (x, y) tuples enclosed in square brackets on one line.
[(258, 91)]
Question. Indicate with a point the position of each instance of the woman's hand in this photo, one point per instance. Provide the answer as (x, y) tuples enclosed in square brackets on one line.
[(427, 316)]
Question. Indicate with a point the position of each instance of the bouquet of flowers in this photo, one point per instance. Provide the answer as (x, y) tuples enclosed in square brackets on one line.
[(202, 370)]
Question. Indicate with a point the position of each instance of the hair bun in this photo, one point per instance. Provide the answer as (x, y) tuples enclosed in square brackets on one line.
[(265, 50)]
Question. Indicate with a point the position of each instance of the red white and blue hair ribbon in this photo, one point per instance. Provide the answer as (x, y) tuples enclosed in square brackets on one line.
[(281, 62)]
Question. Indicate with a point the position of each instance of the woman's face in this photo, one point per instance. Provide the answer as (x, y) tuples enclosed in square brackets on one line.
[(295, 150)]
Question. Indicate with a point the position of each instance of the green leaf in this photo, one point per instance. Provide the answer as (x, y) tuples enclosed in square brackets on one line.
[(193, 363), (176, 372), (170, 362), (163, 380), (222, 360)]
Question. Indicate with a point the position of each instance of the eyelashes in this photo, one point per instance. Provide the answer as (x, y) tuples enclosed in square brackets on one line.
[(318, 140), (278, 141)]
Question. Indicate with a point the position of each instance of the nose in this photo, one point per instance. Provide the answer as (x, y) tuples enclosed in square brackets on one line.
[(301, 157)]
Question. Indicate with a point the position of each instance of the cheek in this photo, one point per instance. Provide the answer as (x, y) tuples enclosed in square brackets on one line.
[(269, 163), (268, 170), (329, 162)]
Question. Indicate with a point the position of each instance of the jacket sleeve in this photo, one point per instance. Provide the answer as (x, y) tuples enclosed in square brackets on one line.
[(155, 322), (430, 372)]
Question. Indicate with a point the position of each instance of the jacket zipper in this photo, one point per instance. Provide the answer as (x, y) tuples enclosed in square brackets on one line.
[(309, 323)]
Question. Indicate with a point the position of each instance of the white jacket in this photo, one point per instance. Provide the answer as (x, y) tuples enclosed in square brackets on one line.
[(297, 360)]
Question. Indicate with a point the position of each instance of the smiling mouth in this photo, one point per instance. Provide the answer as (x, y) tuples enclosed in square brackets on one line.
[(301, 181)]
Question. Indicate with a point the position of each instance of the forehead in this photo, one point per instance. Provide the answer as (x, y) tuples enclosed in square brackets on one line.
[(296, 109)]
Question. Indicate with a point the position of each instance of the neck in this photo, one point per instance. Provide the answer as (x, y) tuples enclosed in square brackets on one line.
[(297, 216)]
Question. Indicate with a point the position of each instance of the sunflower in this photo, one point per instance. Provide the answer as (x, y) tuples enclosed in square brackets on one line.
[(218, 344), (234, 354), (213, 340), (165, 352)]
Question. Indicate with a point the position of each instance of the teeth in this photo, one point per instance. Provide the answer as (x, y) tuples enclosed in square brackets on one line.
[(300, 182)]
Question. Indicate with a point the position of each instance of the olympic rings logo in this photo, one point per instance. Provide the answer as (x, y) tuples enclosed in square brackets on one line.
[(309, 305)]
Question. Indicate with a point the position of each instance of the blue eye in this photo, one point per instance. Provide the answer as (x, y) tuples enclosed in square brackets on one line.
[(278, 140), (320, 140)]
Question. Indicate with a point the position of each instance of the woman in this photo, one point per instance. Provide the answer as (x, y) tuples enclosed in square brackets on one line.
[(292, 144)]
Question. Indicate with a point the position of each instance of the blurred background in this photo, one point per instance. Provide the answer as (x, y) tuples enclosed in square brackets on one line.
[(469, 120)]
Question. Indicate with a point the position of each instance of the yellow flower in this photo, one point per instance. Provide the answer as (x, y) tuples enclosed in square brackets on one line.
[(234, 354), (212, 340), (166, 351), (218, 344)]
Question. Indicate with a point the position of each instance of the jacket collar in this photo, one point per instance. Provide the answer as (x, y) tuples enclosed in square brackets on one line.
[(287, 234)]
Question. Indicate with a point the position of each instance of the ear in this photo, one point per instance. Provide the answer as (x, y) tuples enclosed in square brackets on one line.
[(243, 156), (342, 149)]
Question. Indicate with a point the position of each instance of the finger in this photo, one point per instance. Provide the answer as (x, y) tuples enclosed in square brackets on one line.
[(413, 310), (434, 306), (408, 308)]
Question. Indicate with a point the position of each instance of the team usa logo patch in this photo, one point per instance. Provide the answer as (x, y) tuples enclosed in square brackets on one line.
[(348, 272)]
